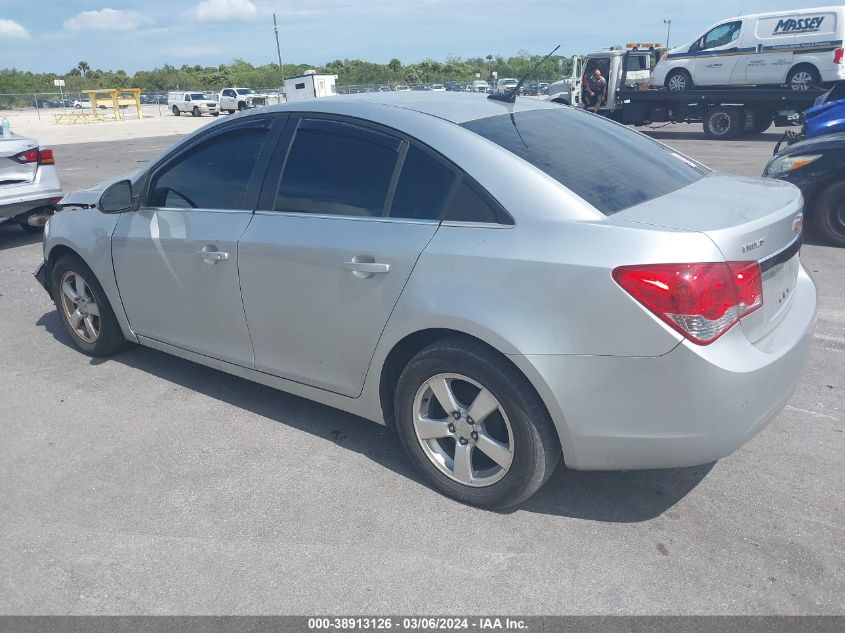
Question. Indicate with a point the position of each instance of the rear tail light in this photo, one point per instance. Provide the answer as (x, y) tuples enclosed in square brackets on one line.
[(701, 301), (29, 156), (45, 157), (35, 155), (837, 55)]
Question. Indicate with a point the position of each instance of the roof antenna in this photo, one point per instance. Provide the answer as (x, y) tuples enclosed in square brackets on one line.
[(510, 97)]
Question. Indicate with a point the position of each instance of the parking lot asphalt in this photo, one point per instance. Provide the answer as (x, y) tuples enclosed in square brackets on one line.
[(144, 483)]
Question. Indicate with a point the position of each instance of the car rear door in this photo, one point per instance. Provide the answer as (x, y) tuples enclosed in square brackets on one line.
[(344, 215), (175, 258)]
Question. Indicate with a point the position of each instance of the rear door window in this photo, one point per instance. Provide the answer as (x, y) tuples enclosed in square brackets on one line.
[(424, 184), (608, 165), (337, 168)]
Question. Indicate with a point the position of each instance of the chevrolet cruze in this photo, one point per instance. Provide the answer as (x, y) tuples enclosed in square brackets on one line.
[(505, 284)]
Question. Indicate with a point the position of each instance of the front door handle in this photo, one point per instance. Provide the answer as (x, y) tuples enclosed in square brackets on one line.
[(366, 267)]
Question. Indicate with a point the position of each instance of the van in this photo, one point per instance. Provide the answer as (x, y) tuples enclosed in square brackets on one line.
[(800, 48)]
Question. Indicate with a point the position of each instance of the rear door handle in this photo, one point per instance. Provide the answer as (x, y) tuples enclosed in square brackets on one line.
[(366, 267), (212, 256)]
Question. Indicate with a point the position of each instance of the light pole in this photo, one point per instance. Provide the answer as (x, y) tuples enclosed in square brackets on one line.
[(278, 52), (668, 24)]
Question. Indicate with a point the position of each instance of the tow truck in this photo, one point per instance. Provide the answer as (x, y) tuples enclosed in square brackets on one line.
[(725, 113)]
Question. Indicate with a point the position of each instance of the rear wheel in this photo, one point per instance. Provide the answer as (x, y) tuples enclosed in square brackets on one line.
[(803, 77), (473, 426), (84, 309), (761, 120), (722, 123), (176, 111), (829, 213), (678, 80)]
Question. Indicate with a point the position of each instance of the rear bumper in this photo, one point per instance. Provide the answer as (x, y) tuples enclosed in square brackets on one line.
[(690, 406), (18, 199)]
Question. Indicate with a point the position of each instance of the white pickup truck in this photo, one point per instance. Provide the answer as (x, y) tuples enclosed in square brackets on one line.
[(231, 99), (194, 102)]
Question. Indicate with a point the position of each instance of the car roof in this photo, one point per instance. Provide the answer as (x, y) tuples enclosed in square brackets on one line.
[(457, 107)]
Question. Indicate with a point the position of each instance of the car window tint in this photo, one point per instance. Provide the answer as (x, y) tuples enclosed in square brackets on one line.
[(423, 187), (608, 165), (337, 168), (467, 205), (213, 175)]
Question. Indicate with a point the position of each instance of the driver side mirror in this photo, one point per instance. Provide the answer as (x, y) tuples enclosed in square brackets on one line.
[(117, 197)]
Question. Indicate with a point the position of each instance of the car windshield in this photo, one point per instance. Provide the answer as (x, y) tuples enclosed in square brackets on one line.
[(244, 91), (197, 96), (608, 165)]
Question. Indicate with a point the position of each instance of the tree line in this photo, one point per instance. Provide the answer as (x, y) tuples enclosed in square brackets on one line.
[(242, 73)]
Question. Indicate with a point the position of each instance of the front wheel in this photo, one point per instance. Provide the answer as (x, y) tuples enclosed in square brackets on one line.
[(196, 111), (176, 111), (84, 309), (679, 80), (473, 425), (829, 213)]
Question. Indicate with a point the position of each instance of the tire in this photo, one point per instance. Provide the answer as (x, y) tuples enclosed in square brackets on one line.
[(241, 106), (679, 80), (803, 77), (829, 213), (176, 111), (109, 338), (761, 121), (526, 440), (723, 123), (196, 111), (230, 111), (31, 229), (215, 114)]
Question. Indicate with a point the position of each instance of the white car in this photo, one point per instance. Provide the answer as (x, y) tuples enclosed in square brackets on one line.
[(479, 85), (506, 85), (801, 48), (29, 182), (196, 103), (402, 88), (231, 99), (438, 88)]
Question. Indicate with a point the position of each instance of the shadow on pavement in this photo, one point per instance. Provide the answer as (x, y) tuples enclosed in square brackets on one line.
[(599, 496), (12, 236)]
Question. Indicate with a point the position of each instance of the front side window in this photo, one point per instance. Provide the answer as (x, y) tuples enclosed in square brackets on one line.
[(608, 165), (337, 168), (214, 174), (721, 35)]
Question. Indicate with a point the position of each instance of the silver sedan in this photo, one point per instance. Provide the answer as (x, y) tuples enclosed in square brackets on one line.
[(502, 283)]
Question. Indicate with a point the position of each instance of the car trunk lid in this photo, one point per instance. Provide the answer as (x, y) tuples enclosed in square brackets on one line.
[(748, 219), (13, 172)]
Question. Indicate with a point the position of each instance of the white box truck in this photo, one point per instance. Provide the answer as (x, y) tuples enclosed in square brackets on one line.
[(311, 85), (801, 48)]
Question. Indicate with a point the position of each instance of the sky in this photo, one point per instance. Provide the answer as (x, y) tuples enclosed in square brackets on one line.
[(54, 35)]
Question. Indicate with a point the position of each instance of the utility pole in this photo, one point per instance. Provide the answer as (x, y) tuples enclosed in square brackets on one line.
[(278, 50), (668, 24)]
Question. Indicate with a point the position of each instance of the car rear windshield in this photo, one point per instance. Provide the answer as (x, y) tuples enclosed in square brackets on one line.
[(608, 165)]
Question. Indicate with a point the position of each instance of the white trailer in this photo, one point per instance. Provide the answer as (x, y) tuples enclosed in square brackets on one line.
[(311, 85)]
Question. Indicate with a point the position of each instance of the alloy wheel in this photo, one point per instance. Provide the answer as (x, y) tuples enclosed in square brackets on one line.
[(677, 82), (802, 80), (463, 430), (80, 307)]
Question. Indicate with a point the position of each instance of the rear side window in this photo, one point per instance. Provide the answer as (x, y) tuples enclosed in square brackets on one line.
[(468, 205), (215, 174), (423, 187), (337, 168), (608, 165)]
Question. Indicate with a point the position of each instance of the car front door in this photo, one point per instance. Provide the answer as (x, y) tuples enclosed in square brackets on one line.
[(175, 258), (716, 54), (340, 225)]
